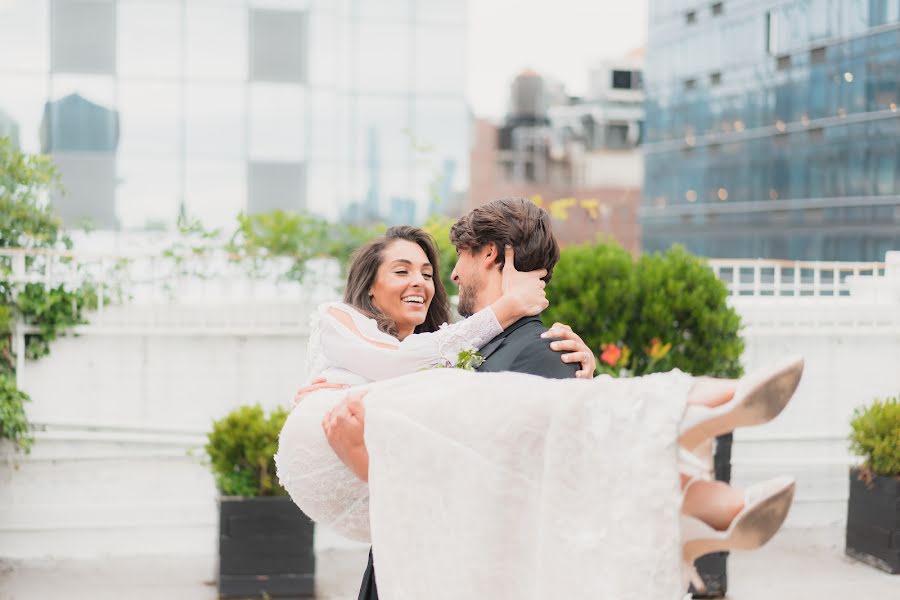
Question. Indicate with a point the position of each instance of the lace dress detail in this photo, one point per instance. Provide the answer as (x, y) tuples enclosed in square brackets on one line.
[(496, 485)]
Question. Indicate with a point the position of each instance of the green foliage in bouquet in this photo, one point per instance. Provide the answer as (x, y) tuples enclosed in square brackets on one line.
[(659, 312), (876, 436), (241, 449), (27, 222)]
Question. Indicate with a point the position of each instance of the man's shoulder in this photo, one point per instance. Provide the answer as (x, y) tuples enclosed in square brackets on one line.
[(533, 353)]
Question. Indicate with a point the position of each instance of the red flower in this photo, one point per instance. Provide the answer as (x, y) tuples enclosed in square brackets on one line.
[(611, 354)]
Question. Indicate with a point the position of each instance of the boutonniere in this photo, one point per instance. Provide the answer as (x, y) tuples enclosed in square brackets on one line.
[(467, 360)]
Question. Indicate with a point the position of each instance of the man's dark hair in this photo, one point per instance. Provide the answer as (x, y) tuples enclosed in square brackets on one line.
[(518, 222)]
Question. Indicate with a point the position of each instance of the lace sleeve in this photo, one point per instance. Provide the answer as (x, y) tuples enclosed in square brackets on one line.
[(362, 349)]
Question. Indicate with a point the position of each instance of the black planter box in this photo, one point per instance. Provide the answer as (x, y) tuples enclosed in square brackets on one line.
[(265, 549), (713, 568), (873, 521)]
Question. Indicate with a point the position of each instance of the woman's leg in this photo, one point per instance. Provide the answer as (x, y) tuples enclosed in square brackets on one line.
[(714, 502), (709, 391)]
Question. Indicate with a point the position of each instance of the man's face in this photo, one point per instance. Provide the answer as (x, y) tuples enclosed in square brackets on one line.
[(466, 274)]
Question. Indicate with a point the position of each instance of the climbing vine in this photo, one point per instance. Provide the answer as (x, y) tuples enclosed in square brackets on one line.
[(28, 222)]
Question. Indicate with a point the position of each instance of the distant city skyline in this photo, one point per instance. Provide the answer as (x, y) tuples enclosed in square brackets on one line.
[(561, 41)]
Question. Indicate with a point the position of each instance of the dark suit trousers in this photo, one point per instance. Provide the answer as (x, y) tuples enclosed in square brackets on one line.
[(368, 590)]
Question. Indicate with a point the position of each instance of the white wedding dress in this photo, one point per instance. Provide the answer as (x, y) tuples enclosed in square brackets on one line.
[(492, 485)]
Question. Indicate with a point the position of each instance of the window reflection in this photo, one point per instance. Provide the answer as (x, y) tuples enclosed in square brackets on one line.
[(276, 186), (80, 116), (22, 103), (439, 65), (440, 11), (216, 40), (442, 133), (151, 118), (277, 122), (215, 122), (149, 38), (330, 129), (278, 45), (327, 57), (383, 57), (215, 190), (24, 36), (384, 10), (383, 130), (148, 194), (83, 36)]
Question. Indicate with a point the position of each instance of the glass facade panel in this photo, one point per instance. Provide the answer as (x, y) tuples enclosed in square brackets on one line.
[(382, 57), (328, 54), (83, 36), (276, 185), (24, 36), (215, 190), (157, 106), (22, 110), (330, 130), (383, 131), (215, 123), (80, 115), (89, 181), (150, 115), (770, 163), (216, 40), (438, 11), (439, 65), (148, 192), (278, 46), (277, 122), (149, 38)]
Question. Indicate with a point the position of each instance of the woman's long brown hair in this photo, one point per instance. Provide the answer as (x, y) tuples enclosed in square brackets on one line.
[(364, 268)]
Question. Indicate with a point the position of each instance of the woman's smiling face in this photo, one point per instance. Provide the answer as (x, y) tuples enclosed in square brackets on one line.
[(404, 285)]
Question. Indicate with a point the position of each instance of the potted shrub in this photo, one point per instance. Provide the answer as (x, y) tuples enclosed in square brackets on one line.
[(265, 541), (873, 510)]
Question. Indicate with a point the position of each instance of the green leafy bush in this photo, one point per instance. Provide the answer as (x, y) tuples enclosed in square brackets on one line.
[(297, 236), (876, 436), (241, 449), (27, 222), (660, 312), (594, 290), (682, 302)]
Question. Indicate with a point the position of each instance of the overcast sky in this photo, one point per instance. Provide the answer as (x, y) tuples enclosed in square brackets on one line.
[(560, 38)]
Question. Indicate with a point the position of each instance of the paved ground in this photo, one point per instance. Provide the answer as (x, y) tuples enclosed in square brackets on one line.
[(797, 565)]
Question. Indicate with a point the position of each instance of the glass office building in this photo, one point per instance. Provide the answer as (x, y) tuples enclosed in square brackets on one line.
[(345, 108), (773, 129)]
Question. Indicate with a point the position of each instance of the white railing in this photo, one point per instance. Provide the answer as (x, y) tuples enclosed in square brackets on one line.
[(799, 278), (155, 278)]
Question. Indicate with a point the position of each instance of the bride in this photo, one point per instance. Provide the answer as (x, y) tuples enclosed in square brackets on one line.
[(507, 485)]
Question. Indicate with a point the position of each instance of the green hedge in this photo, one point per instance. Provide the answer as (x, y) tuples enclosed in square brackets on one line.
[(673, 298)]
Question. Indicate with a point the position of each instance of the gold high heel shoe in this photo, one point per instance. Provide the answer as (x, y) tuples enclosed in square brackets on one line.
[(766, 506), (759, 398)]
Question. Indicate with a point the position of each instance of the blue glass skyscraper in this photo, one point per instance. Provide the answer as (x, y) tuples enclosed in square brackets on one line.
[(772, 128)]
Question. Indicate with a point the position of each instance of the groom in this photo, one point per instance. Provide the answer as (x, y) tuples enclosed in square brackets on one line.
[(524, 347)]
